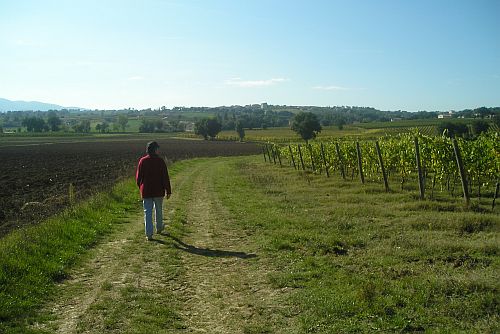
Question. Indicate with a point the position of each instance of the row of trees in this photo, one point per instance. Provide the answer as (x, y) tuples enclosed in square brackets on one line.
[(306, 124), (341, 115), (257, 116), (159, 125), (452, 130), (38, 124), (210, 128), (251, 118), (54, 123)]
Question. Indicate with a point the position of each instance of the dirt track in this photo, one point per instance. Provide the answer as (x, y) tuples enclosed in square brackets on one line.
[(213, 276)]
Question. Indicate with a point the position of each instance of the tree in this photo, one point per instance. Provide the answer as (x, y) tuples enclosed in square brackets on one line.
[(451, 130), (306, 124), (213, 127), (54, 121), (159, 125), (147, 126), (496, 120), (482, 112), (82, 127), (340, 122), (123, 121), (240, 130), (479, 126), (35, 124), (102, 127), (200, 128)]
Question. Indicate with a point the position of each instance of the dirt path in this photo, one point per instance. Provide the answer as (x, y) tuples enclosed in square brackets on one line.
[(224, 289), (211, 276)]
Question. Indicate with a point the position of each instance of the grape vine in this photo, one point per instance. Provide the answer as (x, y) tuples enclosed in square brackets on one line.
[(481, 158)]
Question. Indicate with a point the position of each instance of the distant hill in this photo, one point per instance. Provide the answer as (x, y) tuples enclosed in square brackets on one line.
[(8, 105)]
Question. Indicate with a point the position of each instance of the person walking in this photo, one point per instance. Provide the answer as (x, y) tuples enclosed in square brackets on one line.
[(154, 184)]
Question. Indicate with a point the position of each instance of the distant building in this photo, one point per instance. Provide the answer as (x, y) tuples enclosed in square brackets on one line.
[(188, 126), (395, 119), (263, 105), (448, 114)]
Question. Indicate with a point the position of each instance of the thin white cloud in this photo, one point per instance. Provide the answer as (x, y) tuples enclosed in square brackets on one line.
[(254, 83), (330, 88)]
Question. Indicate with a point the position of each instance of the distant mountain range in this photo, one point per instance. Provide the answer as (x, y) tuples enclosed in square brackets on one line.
[(8, 105)]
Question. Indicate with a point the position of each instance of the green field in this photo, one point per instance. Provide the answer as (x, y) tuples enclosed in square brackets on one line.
[(255, 248), (368, 130), (355, 131)]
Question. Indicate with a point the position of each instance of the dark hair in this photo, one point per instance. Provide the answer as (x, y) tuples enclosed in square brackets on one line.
[(152, 147)]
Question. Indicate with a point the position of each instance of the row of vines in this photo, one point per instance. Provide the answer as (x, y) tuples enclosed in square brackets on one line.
[(396, 156)]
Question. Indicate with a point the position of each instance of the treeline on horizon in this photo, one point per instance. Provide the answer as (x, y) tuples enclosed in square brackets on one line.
[(179, 119)]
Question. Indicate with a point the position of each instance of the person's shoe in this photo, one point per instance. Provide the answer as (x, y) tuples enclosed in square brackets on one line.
[(149, 238)]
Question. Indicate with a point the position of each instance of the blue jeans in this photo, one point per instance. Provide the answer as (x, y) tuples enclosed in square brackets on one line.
[(148, 203)]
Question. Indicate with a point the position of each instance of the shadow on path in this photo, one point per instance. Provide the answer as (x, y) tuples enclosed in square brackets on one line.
[(205, 251)]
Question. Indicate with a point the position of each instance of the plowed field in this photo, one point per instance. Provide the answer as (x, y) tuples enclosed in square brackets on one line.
[(39, 179)]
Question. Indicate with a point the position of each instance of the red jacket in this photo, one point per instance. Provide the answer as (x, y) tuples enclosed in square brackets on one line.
[(152, 177)]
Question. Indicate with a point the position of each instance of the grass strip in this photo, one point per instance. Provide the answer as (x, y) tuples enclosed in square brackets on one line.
[(32, 259), (356, 259)]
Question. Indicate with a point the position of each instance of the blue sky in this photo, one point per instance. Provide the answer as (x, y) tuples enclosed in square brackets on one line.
[(408, 55)]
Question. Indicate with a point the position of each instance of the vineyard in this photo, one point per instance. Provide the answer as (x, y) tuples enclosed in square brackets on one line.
[(410, 159), (330, 133)]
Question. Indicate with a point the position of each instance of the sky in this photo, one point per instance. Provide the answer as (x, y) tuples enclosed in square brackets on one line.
[(386, 54)]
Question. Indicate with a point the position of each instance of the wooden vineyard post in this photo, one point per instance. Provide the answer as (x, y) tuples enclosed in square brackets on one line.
[(381, 162), (291, 154), (324, 160), (274, 154), (268, 153), (495, 197), (264, 151), (309, 147), (337, 148), (279, 156), (419, 169), (360, 163), (461, 169), (301, 160)]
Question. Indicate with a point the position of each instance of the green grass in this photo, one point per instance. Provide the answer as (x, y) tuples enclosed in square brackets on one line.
[(359, 260), (33, 259), (348, 257)]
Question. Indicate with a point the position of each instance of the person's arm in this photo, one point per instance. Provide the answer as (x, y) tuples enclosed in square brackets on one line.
[(139, 174), (166, 181)]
